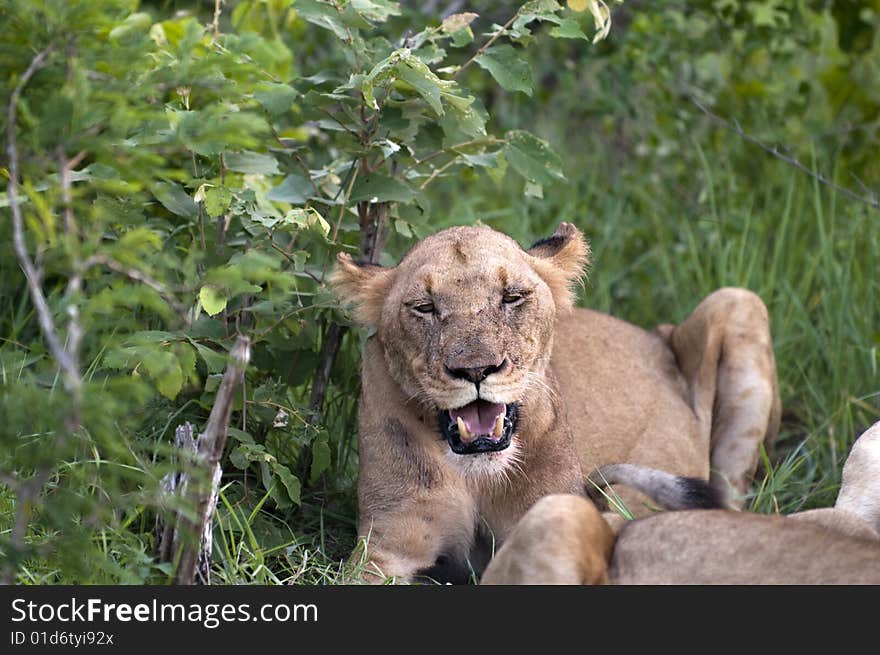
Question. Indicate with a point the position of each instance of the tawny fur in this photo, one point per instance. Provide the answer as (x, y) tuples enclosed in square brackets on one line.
[(840, 545), (592, 390)]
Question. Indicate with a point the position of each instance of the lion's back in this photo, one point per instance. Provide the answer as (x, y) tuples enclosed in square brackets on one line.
[(625, 398)]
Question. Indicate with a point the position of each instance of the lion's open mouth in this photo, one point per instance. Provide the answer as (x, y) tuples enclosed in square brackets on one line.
[(478, 427)]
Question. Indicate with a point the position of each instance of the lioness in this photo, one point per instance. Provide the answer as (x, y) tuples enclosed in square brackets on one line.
[(563, 540), (483, 391)]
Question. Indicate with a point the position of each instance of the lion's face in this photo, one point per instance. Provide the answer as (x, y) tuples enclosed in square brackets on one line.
[(466, 321)]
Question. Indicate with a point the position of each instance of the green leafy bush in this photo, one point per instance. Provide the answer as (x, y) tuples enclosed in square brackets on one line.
[(182, 180)]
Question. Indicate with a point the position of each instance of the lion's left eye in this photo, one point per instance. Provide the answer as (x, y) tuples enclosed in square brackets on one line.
[(511, 298), (425, 308)]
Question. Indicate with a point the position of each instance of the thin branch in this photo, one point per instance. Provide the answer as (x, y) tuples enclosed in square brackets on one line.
[(67, 165), (437, 172), (216, 22), (488, 141), (326, 358), (487, 45), (137, 276), (354, 174), (870, 200), (308, 172), (31, 273), (343, 125), (74, 284)]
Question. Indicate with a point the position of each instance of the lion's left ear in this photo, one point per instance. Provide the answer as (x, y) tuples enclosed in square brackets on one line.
[(363, 285), (562, 260)]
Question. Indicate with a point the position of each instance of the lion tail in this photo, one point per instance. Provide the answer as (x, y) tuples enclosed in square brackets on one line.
[(673, 492)]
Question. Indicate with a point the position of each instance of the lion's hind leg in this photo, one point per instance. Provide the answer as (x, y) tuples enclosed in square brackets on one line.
[(725, 352), (562, 539)]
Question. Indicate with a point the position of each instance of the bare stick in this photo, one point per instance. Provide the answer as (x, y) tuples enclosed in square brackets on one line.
[(870, 200), (210, 449), (28, 491), (31, 273), (74, 284), (326, 358), (216, 22)]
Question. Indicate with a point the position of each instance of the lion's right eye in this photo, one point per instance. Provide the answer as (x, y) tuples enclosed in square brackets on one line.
[(424, 308)]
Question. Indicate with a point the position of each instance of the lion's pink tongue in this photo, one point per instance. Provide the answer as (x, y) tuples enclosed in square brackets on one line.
[(479, 417)]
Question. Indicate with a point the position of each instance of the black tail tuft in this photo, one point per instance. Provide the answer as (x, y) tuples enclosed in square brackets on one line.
[(699, 494)]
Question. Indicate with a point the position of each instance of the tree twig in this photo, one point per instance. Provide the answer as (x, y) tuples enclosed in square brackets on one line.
[(870, 200), (32, 274), (438, 171), (352, 177), (216, 22), (138, 276), (74, 284), (487, 45), (326, 358)]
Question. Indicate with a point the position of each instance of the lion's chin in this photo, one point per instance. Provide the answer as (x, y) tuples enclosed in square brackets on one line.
[(480, 427), (488, 467)]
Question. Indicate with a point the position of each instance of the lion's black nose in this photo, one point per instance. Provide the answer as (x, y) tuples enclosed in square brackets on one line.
[(476, 374)]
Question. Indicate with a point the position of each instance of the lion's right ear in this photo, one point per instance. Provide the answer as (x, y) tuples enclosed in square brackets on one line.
[(362, 284), (562, 260)]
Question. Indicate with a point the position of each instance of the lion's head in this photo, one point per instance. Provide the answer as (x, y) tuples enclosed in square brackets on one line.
[(466, 322)]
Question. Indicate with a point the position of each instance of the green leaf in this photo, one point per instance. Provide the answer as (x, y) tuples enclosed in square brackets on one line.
[(532, 157), (299, 260), (508, 68), (169, 384), (245, 453), (403, 228), (215, 361), (217, 201), (290, 483), (424, 84), (275, 98), (455, 22), (387, 146), (252, 162), (568, 29), (240, 435), (369, 94), (375, 10), (379, 188), (534, 190), (213, 301), (465, 119), (175, 199), (320, 458), (164, 369), (186, 359), (324, 15), (458, 27), (307, 218), (135, 23), (481, 159), (462, 38), (295, 189), (541, 10)]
